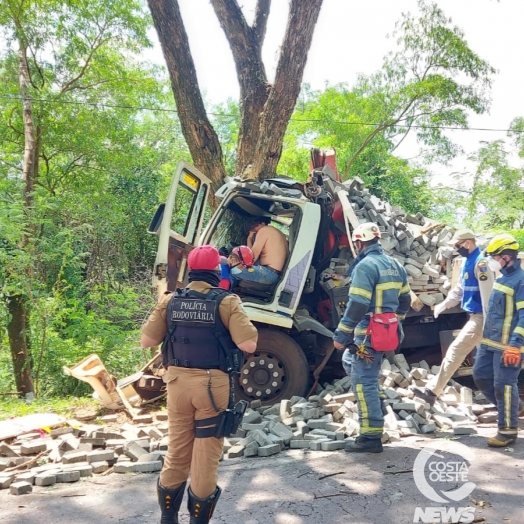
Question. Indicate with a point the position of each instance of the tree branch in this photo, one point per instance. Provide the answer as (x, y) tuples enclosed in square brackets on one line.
[(260, 22)]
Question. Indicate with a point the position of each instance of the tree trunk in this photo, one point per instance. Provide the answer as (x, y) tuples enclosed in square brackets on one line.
[(18, 327), (17, 333), (303, 16), (200, 136)]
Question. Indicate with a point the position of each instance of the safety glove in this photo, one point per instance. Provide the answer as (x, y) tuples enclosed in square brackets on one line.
[(511, 356)]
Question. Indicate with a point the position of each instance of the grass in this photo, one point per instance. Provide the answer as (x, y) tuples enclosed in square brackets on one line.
[(66, 406)]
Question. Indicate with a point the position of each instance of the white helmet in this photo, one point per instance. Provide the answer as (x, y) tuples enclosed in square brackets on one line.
[(366, 232)]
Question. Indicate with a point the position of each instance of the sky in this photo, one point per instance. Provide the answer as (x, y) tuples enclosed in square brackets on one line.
[(351, 38)]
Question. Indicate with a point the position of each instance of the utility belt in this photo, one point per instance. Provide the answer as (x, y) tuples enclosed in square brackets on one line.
[(276, 271), (225, 423)]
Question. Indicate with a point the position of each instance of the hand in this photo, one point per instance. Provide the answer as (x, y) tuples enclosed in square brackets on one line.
[(511, 356), (342, 340), (439, 308)]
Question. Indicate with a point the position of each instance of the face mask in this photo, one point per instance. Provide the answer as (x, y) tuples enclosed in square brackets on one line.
[(462, 251), (235, 271), (494, 265)]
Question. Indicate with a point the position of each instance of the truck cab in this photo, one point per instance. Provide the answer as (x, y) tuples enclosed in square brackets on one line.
[(296, 316)]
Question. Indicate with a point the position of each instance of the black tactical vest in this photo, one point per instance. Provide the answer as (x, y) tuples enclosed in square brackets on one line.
[(196, 336)]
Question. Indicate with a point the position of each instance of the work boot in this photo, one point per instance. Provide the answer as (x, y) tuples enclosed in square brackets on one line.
[(501, 440), (169, 501), (425, 394), (365, 445), (201, 510)]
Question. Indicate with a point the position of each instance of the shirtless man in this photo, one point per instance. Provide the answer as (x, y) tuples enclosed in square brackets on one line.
[(269, 247)]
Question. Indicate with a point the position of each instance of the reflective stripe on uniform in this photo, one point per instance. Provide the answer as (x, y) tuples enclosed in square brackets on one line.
[(404, 290), (344, 328), (492, 343), (361, 331), (471, 288), (508, 317), (503, 289), (519, 331), (379, 293), (364, 413), (520, 305), (360, 291), (507, 405)]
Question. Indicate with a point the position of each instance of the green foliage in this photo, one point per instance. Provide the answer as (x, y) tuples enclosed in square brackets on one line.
[(433, 80)]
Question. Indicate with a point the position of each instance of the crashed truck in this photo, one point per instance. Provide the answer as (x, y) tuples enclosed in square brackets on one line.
[(296, 316)]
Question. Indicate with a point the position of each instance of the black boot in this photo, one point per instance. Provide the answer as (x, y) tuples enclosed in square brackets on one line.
[(201, 510), (169, 501), (365, 445)]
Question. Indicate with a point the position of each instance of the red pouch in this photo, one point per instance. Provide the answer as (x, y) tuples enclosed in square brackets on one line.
[(383, 331)]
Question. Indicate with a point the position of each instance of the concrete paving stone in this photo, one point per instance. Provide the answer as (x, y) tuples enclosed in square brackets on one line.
[(45, 479), (94, 442), (124, 467), (71, 457), (143, 419), (332, 445), (100, 455), (85, 470), (280, 430), (67, 476), (33, 447), (261, 438), (26, 476), (252, 427), (160, 415), (7, 451), (20, 488), (6, 480), (316, 445), (251, 450), (267, 451), (252, 417), (317, 424), (255, 404), (68, 442), (300, 444), (147, 467), (133, 450), (236, 451), (108, 418)]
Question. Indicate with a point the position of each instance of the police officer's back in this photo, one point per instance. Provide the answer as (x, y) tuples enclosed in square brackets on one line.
[(201, 328)]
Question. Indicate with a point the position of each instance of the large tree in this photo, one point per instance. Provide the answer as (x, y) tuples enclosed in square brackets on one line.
[(68, 53), (265, 109)]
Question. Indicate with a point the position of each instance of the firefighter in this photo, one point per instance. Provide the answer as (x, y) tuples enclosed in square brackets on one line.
[(197, 342), (472, 293), (379, 290), (498, 361)]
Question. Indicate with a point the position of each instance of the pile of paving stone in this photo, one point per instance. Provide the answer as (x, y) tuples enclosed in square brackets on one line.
[(322, 422), (422, 246), (67, 454)]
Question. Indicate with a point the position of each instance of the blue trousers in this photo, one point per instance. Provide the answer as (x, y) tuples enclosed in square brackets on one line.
[(260, 274), (364, 381), (498, 383)]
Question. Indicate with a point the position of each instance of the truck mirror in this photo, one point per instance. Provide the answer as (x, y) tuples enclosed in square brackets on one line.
[(156, 222)]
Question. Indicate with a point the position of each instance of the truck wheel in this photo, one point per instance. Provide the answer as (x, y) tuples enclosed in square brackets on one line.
[(277, 370)]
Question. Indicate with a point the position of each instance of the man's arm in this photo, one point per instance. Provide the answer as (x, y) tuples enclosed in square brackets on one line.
[(359, 299), (243, 333), (404, 298), (155, 328), (148, 342), (485, 278), (454, 297), (260, 242)]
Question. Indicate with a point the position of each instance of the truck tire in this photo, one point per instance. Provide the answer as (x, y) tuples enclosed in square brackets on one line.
[(277, 370)]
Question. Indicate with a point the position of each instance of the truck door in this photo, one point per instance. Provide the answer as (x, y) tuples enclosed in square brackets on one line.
[(178, 223)]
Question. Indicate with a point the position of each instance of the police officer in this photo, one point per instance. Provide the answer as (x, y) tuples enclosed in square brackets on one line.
[(379, 286), (197, 325), (472, 293), (498, 361)]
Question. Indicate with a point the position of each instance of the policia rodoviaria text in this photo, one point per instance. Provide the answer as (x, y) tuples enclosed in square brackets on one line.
[(204, 331)]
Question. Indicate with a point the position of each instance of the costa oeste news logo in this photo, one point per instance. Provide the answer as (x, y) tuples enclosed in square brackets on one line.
[(432, 469)]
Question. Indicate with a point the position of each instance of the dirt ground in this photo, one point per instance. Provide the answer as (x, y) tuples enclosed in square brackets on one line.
[(294, 487)]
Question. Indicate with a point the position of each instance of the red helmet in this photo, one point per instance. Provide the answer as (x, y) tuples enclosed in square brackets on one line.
[(244, 254)]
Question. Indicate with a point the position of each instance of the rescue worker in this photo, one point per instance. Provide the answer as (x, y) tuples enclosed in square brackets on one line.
[(379, 288), (198, 386), (498, 361), (270, 251), (472, 293)]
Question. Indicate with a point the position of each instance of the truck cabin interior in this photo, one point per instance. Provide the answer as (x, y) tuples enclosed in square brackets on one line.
[(229, 232)]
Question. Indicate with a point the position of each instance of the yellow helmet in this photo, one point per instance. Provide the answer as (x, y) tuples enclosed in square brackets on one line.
[(501, 243)]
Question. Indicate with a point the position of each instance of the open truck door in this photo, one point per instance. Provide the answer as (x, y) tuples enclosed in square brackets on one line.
[(178, 224)]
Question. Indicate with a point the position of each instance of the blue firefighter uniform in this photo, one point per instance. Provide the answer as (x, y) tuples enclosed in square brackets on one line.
[(379, 285), (504, 326)]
